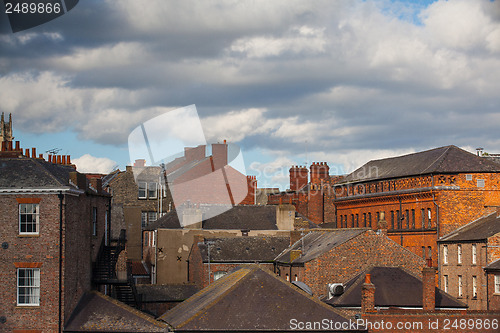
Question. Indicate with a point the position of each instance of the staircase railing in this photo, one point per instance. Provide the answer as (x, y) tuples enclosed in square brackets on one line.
[(131, 283)]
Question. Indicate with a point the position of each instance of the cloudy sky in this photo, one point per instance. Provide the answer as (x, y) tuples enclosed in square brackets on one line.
[(290, 82)]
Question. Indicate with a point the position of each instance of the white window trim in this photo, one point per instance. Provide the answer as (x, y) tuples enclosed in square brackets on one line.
[(459, 253), (497, 284), (445, 283), (445, 254), (155, 193), (37, 219), (35, 287), (474, 254), (145, 190), (474, 286), (460, 286)]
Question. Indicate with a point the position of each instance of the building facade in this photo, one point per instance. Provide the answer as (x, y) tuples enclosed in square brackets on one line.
[(52, 225)]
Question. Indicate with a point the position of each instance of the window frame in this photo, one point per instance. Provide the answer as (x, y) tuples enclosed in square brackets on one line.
[(140, 188), (460, 286), (474, 254), (94, 221), (34, 288), (445, 283), (36, 214), (474, 286), (445, 254), (459, 254), (497, 283), (151, 191)]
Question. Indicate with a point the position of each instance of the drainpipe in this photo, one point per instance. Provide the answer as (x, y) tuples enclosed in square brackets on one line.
[(61, 197)]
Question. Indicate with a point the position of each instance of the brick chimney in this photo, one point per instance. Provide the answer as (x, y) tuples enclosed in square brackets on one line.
[(194, 153), (319, 172), (295, 235), (298, 177), (140, 163), (368, 295), (219, 153), (429, 288), (78, 179)]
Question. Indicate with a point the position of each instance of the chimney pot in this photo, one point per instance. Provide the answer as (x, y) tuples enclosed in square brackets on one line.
[(58, 159), (68, 159), (64, 159), (33, 152), (27, 152), (18, 146)]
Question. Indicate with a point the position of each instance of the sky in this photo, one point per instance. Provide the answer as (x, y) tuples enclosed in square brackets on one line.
[(289, 82)]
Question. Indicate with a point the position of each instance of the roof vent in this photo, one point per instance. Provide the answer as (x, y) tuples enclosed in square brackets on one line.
[(468, 177), (335, 289)]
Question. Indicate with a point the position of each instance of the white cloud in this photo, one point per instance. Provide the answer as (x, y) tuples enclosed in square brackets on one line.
[(91, 164)]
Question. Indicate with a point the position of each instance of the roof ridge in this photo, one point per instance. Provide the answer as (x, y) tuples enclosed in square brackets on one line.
[(462, 228), (211, 287)]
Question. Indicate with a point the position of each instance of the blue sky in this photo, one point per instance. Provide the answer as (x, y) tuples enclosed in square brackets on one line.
[(290, 82)]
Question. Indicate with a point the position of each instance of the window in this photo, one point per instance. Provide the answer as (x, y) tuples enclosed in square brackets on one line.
[(429, 217), (445, 254), (407, 219), (474, 286), (398, 217), (460, 293), (423, 252), (369, 219), (296, 278), (422, 211), (287, 277), (142, 190), (28, 286), (413, 218), (429, 251), (364, 220), (94, 221), (445, 283), (152, 216), (357, 220), (480, 183), (144, 219), (352, 220), (152, 190), (459, 254), (497, 284), (219, 274), (474, 254), (468, 177), (28, 219), (392, 219)]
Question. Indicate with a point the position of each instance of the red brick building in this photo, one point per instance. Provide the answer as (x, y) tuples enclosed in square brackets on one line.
[(464, 254), (325, 257), (423, 196), (493, 285), (52, 224)]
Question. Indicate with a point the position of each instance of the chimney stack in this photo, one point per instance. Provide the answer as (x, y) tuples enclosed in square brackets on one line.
[(368, 295), (429, 288), (298, 177)]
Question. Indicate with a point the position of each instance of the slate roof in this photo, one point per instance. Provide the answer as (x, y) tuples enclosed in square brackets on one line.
[(33, 173), (394, 287), (250, 299), (243, 249), (448, 159), (238, 218), (96, 312), (480, 229), (318, 242), (166, 292), (494, 266)]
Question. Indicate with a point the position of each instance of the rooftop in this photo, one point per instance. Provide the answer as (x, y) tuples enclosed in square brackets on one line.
[(448, 159), (244, 249), (96, 312), (480, 229), (394, 288), (316, 243), (238, 217), (252, 299)]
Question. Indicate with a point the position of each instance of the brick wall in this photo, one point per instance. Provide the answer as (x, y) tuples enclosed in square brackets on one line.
[(80, 248), (493, 298), (347, 260)]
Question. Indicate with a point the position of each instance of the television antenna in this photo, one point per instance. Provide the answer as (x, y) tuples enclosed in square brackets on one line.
[(53, 151)]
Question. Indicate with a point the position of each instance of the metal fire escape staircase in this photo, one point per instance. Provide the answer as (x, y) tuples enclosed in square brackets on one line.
[(104, 273)]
